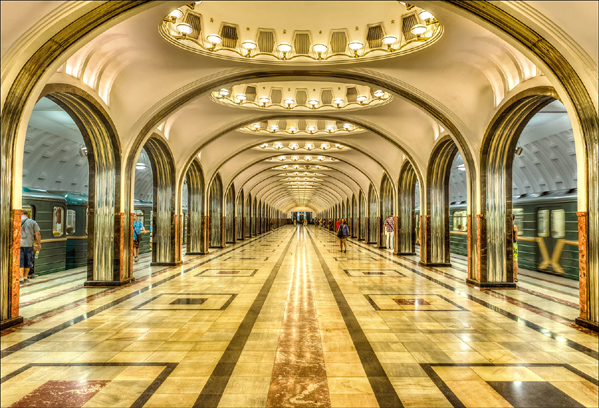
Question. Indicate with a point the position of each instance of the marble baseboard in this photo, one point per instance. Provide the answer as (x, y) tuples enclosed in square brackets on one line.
[(108, 283), (5, 324), (491, 284)]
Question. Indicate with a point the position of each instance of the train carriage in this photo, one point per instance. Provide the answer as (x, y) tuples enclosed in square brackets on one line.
[(49, 211)]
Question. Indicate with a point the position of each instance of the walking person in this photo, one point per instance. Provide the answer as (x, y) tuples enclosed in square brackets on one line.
[(515, 241), (342, 234), (138, 229), (389, 230), (31, 241)]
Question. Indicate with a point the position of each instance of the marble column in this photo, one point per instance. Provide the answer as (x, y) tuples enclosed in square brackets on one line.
[(11, 298)]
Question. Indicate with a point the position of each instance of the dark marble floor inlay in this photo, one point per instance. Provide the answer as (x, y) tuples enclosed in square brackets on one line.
[(188, 301), (299, 377), (61, 394), (411, 302)]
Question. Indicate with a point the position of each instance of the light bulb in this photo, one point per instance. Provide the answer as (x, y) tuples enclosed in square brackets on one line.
[(361, 98), (389, 39), (176, 13), (313, 102), (355, 45), (284, 47), (249, 45), (184, 28), (241, 97), (338, 101), (425, 15), (264, 100), (418, 29), (214, 39), (319, 48)]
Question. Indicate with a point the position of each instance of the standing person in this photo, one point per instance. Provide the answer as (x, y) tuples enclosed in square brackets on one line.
[(138, 229), (389, 230), (305, 222), (30, 240), (342, 234), (515, 241), (294, 222), (337, 224)]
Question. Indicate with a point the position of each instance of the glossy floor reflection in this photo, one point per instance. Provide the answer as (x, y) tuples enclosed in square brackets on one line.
[(286, 320)]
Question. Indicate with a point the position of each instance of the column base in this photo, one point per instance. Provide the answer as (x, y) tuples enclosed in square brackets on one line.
[(405, 253), (594, 326), (435, 264), (5, 324), (491, 284), (360, 239), (108, 283), (166, 263), (197, 253)]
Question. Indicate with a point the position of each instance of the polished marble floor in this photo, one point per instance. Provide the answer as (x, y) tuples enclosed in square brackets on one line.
[(286, 320)]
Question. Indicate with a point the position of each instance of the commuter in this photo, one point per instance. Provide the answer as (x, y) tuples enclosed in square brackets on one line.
[(389, 230), (138, 229), (515, 240), (305, 222), (294, 222), (30, 240), (337, 225), (342, 234)]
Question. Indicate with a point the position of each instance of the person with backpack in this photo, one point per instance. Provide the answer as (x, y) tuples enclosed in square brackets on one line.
[(31, 241), (342, 234)]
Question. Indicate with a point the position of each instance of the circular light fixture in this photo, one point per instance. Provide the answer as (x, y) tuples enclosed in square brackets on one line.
[(347, 126), (214, 39), (389, 40), (338, 101), (338, 146), (330, 129), (284, 47), (308, 158), (418, 29), (319, 48), (361, 98), (241, 97), (184, 28), (379, 93), (176, 13), (294, 158), (278, 145), (425, 15), (292, 129), (293, 146), (355, 45), (282, 158), (264, 145), (313, 102), (274, 128), (320, 158), (309, 146), (223, 92), (140, 166), (289, 102), (264, 100), (249, 45), (285, 166), (256, 126), (310, 129)]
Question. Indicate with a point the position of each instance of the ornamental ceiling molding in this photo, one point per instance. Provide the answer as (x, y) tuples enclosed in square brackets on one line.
[(204, 29)]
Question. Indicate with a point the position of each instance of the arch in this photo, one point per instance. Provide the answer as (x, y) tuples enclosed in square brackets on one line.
[(165, 249), (216, 217), (354, 217), (386, 207), (105, 236), (197, 239), (230, 220), (372, 234), (435, 244), (406, 221), (362, 216), (248, 216), (240, 216)]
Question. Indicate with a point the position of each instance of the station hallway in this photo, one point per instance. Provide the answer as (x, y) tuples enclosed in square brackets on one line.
[(287, 320)]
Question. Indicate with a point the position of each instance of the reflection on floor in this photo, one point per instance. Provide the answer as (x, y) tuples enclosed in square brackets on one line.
[(286, 320)]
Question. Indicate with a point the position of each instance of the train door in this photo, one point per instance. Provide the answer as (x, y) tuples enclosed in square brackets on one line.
[(551, 234)]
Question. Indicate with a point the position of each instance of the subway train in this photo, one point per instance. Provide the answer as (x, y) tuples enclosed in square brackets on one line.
[(547, 231), (62, 218)]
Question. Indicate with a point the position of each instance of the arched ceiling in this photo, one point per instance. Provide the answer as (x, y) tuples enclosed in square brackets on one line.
[(455, 81)]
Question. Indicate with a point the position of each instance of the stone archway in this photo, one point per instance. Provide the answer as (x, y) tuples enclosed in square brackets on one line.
[(216, 218), (405, 225), (197, 238)]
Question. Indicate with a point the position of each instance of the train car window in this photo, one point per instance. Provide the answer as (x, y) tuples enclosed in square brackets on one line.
[(519, 219), (558, 223), (459, 221), (29, 211), (57, 221), (71, 222), (543, 223)]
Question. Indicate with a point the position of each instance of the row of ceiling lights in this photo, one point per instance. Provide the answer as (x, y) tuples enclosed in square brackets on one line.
[(304, 158), (290, 102), (285, 48), (310, 129), (295, 146)]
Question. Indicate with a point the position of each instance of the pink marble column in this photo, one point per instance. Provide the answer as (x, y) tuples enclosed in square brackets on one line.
[(582, 263), (15, 285)]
